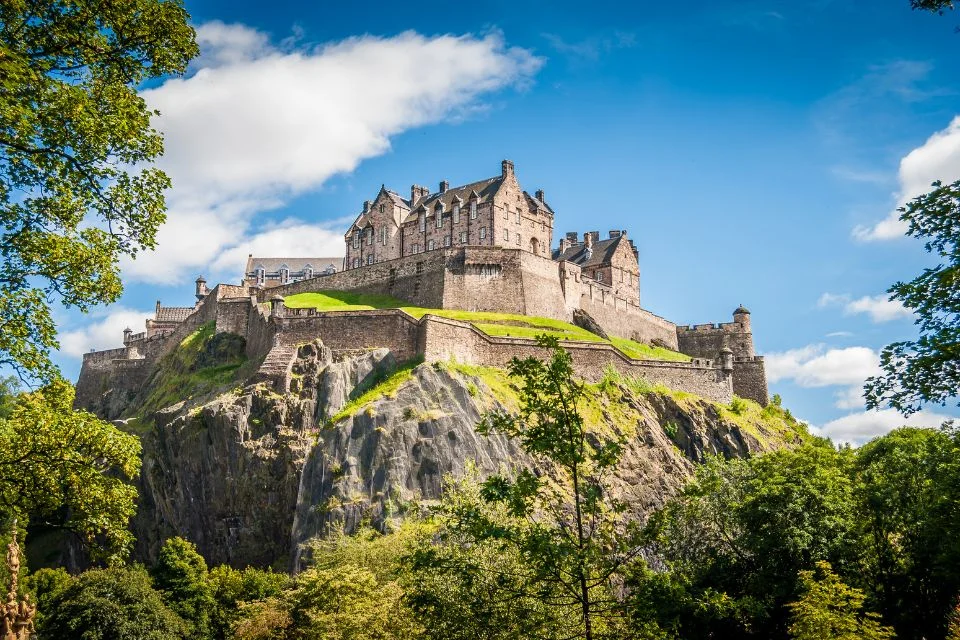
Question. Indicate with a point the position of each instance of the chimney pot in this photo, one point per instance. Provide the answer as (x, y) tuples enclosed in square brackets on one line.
[(444, 185), (539, 195), (506, 168), (588, 239), (614, 234)]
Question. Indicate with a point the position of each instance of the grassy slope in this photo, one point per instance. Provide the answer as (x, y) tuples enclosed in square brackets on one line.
[(493, 324)]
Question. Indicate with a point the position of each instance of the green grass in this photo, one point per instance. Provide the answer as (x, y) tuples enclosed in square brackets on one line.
[(383, 387), (506, 325), (179, 376)]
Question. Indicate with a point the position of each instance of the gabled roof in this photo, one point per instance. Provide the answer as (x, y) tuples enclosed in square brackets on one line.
[(538, 203), (600, 254), (395, 197), (485, 190), (295, 265)]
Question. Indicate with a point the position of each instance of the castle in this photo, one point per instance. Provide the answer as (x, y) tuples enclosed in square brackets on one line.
[(483, 246)]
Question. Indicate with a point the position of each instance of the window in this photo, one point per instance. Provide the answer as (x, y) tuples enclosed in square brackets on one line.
[(356, 239), (473, 210), (383, 235), (431, 245), (518, 215), (370, 259), (518, 239), (284, 273), (446, 241), (456, 214), (370, 235), (483, 232), (307, 272), (356, 262), (415, 248), (261, 274), (463, 237), (381, 208), (439, 219), (506, 235), (423, 222), (419, 267), (506, 212)]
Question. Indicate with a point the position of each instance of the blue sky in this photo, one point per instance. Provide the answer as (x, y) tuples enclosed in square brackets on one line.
[(754, 151)]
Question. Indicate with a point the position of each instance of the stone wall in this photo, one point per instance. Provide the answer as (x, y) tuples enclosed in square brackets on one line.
[(445, 339), (350, 330), (706, 340), (750, 379)]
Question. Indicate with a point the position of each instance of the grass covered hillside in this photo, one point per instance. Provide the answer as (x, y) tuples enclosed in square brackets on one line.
[(493, 324)]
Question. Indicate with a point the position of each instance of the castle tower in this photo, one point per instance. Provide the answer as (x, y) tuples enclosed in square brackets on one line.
[(201, 291)]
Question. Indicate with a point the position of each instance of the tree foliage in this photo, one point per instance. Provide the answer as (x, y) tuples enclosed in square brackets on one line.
[(74, 136), (180, 574), (118, 603), (68, 469), (926, 370), (830, 609)]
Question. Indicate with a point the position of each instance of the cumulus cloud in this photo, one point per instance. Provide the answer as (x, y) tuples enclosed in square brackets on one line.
[(287, 239), (104, 332), (816, 366), (255, 124), (936, 159), (880, 308), (857, 428)]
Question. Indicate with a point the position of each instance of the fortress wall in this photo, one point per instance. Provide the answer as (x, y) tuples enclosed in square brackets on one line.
[(260, 331), (750, 379), (445, 339), (483, 279), (630, 321), (347, 330), (706, 340), (233, 315), (416, 279), (542, 293)]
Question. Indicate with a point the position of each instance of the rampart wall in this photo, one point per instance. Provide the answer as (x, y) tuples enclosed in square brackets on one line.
[(706, 340)]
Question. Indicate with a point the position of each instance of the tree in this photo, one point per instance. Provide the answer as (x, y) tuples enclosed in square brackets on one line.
[(567, 530), (180, 574), (68, 469), (908, 492), (117, 603), (830, 609), (936, 6), (926, 370), (231, 587), (73, 136)]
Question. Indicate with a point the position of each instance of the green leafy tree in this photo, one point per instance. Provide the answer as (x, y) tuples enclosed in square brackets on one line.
[(46, 585), (74, 136), (180, 574), (830, 609), (739, 533), (68, 469), (926, 370), (908, 494), (563, 523), (118, 603), (936, 6), (231, 587)]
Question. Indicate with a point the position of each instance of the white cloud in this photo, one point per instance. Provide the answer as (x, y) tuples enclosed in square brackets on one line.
[(880, 308), (850, 398), (816, 366), (287, 239), (256, 124), (105, 332), (936, 159), (857, 428)]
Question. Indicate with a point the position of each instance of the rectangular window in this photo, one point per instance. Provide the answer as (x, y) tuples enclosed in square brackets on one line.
[(370, 237), (356, 240), (518, 215), (439, 219), (446, 241), (419, 267), (430, 245), (383, 235), (456, 214), (518, 239), (483, 232), (381, 208), (473, 210), (423, 222), (506, 235), (370, 258), (463, 237), (506, 212)]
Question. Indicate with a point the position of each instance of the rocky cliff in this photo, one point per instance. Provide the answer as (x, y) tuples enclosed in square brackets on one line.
[(250, 474)]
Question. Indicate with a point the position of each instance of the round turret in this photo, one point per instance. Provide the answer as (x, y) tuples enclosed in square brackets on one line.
[(741, 315)]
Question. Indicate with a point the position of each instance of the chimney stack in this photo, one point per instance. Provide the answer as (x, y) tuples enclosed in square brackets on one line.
[(506, 168), (588, 239), (614, 233), (444, 185), (366, 206), (417, 192), (572, 237), (539, 195), (563, 245)]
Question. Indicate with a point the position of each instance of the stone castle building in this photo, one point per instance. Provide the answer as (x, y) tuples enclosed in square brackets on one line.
[(483, 246)]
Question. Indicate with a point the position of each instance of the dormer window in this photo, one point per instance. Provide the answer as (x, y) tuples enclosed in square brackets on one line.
[(284, 273), (423, 221), (356, 239), (261, 274), (439, 212), (307, 271), (370, 235), (473, 209), (456, 214)]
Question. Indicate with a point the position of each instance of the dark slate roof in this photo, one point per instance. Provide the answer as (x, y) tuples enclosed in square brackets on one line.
[(600, 254), (538, 203), (741, 309), (296, 265), (397, 200), (173, 314), (485, 189)]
